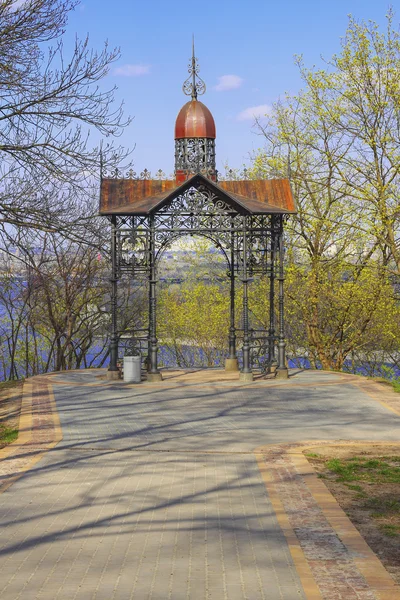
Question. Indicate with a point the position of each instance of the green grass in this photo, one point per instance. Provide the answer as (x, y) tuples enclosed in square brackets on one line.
[(365, 476), (7, 435), (384, 505), (390, 530), (312, 455), (368, 470), (355, 488)]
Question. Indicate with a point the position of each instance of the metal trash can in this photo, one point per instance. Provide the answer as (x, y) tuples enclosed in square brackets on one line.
[(132, 369)]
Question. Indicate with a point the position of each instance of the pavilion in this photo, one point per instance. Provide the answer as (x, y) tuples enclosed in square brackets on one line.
[(244, 218)]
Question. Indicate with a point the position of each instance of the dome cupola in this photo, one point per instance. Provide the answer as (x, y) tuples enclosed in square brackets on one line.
[(194, 120), (194, 131)]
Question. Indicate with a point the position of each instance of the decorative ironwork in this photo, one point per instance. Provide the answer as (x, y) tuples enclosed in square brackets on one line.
[(132, 251), (260, 345), (194, 86), (114, 281), (145, 174), (135, 345), (196, 211), (235, 174), (231, 275), (153, 347), (195, 155), (160, 174), (120, 174), (131, 346), (198, 201), (246, 338)]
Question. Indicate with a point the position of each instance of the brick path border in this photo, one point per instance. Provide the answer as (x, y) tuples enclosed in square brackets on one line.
[(39, 431), (326, 547)]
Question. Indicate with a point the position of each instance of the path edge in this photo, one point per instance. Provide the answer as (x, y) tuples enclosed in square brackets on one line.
[(27, 431), (369, 564)]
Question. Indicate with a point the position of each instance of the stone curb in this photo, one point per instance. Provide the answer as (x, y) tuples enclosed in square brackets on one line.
[(39, 431)]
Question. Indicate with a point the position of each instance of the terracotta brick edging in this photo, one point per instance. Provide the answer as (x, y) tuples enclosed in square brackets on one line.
[(39, 431), (286, 466), (328, 551)]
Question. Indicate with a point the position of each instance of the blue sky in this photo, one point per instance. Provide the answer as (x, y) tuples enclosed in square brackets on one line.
[(250, 45)]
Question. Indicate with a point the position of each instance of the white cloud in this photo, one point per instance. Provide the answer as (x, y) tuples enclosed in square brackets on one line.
[(228, 82), (132, 70), (254, 112)]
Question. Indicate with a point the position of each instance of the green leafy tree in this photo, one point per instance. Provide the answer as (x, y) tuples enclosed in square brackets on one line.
[(194, 323), (338, 140), (193, 316)]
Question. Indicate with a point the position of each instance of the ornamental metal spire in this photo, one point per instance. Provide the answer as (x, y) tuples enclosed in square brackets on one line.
[(194, 86)]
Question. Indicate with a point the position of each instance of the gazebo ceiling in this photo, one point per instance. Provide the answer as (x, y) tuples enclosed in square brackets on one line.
[(145, 197)]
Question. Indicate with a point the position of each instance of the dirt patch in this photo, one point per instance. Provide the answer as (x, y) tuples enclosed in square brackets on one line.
[(10, 407), (365, 480)]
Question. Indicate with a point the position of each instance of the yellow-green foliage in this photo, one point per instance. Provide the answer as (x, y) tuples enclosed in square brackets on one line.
[(195, 315), (338, 310), (339, 141)]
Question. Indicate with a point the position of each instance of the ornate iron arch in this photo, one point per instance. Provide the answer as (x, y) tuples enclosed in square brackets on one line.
[(167, 244)]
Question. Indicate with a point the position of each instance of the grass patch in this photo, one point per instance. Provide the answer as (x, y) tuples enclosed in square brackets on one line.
[(367, 478), (7, 435), (312, 455), (390, 530), (368, 470), (355, 488), (384, 505)]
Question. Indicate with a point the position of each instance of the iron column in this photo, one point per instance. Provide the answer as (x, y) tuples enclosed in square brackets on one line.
[(113, 368), (246, 372), (282, 370), (271, 332), (231, 363), (232, 329), (153, 373)]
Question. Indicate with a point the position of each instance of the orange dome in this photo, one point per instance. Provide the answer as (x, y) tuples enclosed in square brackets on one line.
[(194, 121)]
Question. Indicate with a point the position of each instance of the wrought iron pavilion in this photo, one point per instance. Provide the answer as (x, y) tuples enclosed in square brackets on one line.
[(244, 218)]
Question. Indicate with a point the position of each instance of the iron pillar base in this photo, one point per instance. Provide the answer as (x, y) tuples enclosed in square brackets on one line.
[(113, 375), (153, 377), (231, 364), (282, 373), (246, 376)]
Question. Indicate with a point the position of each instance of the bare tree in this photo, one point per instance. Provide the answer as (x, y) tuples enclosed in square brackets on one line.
[(49, 103)]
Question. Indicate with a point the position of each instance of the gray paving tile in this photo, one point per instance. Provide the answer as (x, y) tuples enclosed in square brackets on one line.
[(155, 493)]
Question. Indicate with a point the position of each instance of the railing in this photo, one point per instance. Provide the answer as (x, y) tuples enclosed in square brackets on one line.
[(260, 345), (134, 344)]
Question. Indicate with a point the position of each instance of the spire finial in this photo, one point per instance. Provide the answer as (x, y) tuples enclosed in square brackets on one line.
[(194, 86)]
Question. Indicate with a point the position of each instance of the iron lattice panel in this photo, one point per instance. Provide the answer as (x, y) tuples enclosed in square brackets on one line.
[(195, 155), (196, 212)]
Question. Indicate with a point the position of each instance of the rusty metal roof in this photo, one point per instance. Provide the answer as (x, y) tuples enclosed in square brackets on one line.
[(271, 193), (143, 197)]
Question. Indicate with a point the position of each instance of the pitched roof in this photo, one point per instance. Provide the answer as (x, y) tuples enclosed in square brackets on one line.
[(143, 197)]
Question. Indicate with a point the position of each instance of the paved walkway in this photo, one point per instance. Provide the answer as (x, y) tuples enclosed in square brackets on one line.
[(193, 488)]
